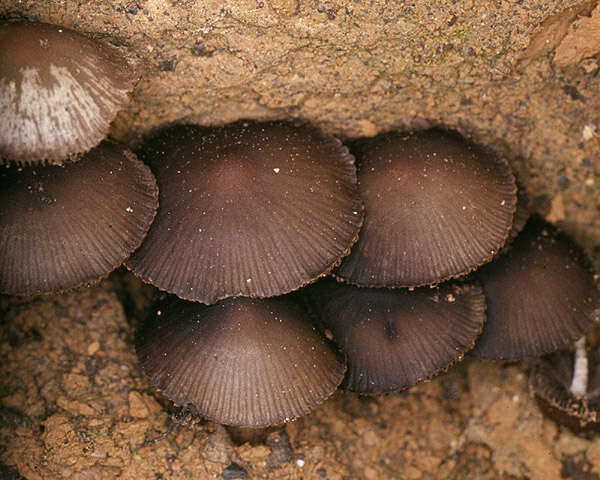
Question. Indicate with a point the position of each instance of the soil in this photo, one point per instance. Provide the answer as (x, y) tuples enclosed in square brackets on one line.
[(76, 405), (520, 76)]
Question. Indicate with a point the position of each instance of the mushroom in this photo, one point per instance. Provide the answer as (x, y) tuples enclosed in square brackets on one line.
[(242, 362), (567, 387), (250, 209), (436, 207), (541, 295), (59, 91), (396, 338), (66, 226)]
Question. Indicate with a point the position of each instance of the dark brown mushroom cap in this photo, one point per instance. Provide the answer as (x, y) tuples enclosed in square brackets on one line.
[(62, 227), (250, 209), (394, 339), (550, 380), (60, 90), (243, 362), (541, 295), (436, 207)]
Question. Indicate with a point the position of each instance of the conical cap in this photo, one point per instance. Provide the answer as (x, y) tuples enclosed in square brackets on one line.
[(394, 339), (243, 362), (436, 207), (62, 227), (59, 91), (541, 295), (251, 209)]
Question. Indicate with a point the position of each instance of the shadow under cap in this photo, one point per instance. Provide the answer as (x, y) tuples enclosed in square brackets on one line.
[(60, 91), (243, 362), (394, 339), (249, 209), (63, 227), (436, 207), (541, 295)]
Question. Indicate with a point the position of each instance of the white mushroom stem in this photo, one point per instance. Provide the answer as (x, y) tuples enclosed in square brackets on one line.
[(579, 383)]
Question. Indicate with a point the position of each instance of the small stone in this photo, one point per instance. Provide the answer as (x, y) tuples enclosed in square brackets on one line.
[(557, 210), (234, 471), (563, 182), (284, 7), (368, 128), (137, 406), (93, 348), (371, 473), (218, 447), (281, 448)]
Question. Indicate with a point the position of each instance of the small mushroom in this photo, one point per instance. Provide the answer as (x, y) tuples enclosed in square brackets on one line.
[(66, 226), (436, 207), (567, 387), (250, 209), (59, 91), (541, 295), (242, 362), (394, 339)]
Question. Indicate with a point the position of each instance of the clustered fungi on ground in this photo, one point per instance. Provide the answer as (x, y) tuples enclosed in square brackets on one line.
[(65, 223), (260, 210)]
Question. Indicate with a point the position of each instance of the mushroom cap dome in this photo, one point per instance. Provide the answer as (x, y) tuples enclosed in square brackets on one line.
[(59, 91), (66, 226), (395, 338), (436, 207), (249, 209), (541, 295), (243, 362)]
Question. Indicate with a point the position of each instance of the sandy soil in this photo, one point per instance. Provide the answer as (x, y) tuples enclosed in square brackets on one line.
[(76, 405), (520, 76)]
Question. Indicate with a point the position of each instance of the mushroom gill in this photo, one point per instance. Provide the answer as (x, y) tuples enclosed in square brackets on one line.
[(59, 91), (552, 381)]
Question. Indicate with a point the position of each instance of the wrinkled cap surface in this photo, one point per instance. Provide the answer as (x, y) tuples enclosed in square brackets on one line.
[(62, 227), (541, 295), (243, 362), (394, 339), (250, 209), (436, 207), (59, 91), (550, 380)]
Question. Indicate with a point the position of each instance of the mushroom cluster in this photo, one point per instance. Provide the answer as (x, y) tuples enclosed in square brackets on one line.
[(72, 210), (417, 234), (260, 209), (437, 207), (247, 211)]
